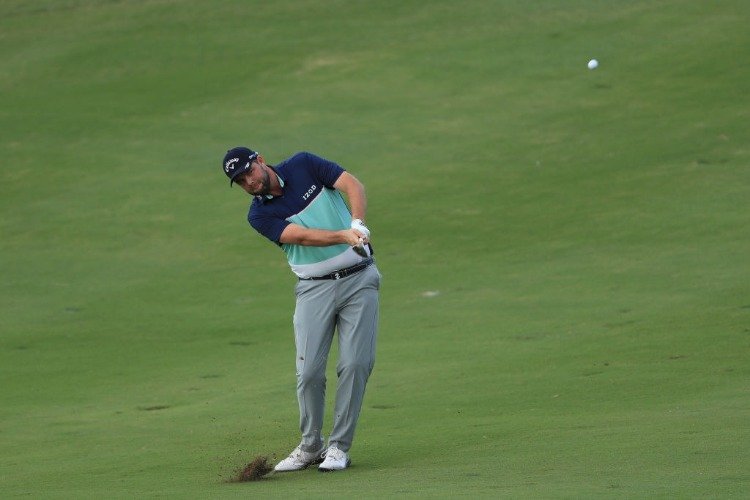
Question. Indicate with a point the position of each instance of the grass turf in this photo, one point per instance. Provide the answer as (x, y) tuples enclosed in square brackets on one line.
[(565, 310)]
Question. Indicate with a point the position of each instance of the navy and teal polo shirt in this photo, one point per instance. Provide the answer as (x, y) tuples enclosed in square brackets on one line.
[(309, 200)]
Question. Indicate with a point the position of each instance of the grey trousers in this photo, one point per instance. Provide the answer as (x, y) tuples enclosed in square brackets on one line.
[(349, 305)]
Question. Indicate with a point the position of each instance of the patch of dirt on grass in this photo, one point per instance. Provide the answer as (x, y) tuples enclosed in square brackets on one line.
[(254, 471)]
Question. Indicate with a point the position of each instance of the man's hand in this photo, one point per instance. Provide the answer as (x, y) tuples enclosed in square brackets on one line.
[(354, 237), (359, 227)]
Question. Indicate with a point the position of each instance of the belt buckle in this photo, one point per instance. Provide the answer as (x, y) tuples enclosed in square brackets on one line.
[(336, 275)]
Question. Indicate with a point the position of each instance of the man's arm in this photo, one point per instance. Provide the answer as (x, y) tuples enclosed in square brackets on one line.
[(355, 193), (299, 235)]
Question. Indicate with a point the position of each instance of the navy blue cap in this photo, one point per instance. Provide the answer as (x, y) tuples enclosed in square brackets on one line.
[(237, 161)]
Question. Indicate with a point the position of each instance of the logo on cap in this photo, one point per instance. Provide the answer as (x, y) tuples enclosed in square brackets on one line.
[(229, 165)]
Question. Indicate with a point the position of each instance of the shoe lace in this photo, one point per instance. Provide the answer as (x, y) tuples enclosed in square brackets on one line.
[(335, 453)]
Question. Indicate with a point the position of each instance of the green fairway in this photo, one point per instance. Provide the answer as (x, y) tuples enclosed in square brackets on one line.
[(565, 309)]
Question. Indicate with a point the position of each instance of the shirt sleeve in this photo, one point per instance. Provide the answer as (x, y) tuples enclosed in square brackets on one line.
[(325, 171), (269, 226)]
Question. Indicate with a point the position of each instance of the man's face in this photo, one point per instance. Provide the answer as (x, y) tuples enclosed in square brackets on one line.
[(255, 181)]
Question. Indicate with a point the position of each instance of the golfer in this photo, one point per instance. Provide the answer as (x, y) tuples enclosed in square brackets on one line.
[(298, 205)]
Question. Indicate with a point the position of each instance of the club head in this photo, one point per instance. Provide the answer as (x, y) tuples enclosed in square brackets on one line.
[(360, 249)]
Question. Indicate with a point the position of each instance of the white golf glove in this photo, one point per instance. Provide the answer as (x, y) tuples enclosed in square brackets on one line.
[(360, 226)]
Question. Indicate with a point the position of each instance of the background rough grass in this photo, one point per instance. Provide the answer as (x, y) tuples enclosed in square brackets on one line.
[(566, 309)]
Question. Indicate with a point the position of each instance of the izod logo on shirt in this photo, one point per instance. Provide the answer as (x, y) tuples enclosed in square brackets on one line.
[(309, 192)]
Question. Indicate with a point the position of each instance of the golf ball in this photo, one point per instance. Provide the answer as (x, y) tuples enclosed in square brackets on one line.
[(593, 64)]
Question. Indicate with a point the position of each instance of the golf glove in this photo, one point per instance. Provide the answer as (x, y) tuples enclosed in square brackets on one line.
[(360, 226)]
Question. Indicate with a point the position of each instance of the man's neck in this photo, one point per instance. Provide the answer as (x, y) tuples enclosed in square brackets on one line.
[(277, 185)]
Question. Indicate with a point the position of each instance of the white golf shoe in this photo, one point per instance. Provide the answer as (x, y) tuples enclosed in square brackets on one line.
[(298, 460), (335, 460)]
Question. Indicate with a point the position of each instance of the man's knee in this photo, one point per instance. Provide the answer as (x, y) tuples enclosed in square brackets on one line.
[(357, 369), (311, 378)]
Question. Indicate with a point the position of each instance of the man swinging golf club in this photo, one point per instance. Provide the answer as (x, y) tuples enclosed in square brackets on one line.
[(298, 205)]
